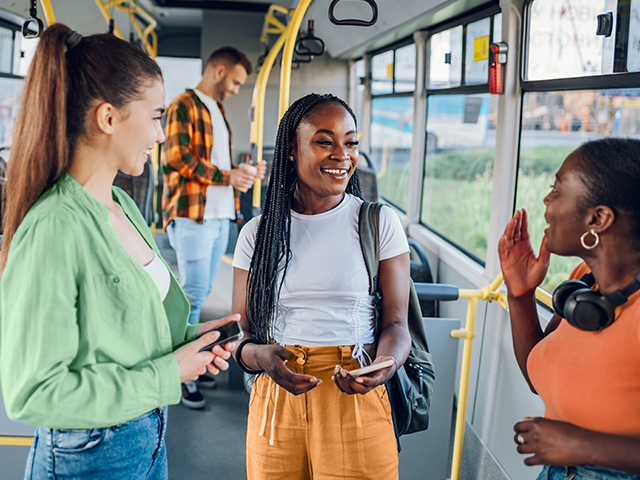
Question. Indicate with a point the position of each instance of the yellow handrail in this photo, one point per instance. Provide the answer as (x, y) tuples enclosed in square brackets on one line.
[(132, 8), (468, 333), (16, 441), (107, 16), (489, 293), (48, 12), (271, 25), (287, 55), (147, 36)]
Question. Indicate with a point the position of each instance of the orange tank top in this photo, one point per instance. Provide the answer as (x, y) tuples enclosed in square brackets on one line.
[(592, 379)]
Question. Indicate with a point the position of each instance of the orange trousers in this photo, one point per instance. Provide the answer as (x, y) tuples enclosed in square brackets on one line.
[(324, 433)]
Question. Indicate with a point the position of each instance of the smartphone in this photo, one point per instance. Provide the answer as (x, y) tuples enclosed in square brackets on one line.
[(371, 368), (228, 333)]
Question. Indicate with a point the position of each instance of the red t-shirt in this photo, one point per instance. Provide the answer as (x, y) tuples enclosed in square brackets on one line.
[(592, 379)]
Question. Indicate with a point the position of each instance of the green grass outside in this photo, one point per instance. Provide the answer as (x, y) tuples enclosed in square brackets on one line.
[(456, 198)]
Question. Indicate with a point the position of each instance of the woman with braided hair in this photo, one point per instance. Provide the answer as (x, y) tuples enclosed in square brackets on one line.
[(302, 290)]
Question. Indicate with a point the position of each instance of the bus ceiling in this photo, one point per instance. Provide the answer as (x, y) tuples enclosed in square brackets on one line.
[(349, 29)]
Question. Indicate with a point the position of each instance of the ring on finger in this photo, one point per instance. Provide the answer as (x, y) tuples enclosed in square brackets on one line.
[(520, 439)]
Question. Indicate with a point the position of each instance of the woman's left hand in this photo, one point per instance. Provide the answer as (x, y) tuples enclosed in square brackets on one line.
[(221, 352), (364, 383), (550, 441)]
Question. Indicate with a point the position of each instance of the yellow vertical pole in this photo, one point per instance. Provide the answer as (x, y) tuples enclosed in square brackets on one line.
[(287, 55), (259, 96), (48, 12), (468, 333)]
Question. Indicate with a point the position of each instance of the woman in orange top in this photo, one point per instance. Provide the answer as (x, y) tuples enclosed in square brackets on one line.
[(587, 374)]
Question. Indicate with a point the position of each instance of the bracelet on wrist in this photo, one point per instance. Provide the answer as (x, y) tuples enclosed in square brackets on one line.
[(241, 364)]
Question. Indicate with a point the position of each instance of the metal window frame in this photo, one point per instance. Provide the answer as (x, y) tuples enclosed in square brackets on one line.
[(592, 82), (462, 89), (393, 47)]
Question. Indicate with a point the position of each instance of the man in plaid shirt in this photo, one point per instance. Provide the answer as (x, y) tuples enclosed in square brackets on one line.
[(200, 180)]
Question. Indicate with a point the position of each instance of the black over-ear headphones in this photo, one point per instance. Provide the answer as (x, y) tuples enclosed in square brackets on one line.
[(586, 309)]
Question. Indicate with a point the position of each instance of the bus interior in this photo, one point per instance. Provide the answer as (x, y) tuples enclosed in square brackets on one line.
[(465, 110)]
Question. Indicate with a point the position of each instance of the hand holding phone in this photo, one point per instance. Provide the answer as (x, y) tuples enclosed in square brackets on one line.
[(371, 368), (228, 333)]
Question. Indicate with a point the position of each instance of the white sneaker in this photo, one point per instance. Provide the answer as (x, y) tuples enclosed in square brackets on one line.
[(191, 396)]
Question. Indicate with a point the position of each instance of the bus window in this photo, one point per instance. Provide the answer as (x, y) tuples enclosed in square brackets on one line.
[(10, 90), (476, 63), (458, 172), (382, 73), (460, 134), (391, 127), (6, 50), (445, 67), (390, 142), (633, 46), (553, 125), (562, 40), (405, 69)]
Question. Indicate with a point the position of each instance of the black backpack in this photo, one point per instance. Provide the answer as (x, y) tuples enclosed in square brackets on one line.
[(411, 387)]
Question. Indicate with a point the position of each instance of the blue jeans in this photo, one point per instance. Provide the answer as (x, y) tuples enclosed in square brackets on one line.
[(199, 250), (584, 473), (133, 451)]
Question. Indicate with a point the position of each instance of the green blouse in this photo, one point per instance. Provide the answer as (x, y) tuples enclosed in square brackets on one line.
[(85, 339)]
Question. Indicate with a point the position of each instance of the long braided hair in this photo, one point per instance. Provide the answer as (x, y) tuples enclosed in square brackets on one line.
[(273, 238)]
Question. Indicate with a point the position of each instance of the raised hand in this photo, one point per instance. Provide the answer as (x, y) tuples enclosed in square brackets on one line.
[(521, 269)]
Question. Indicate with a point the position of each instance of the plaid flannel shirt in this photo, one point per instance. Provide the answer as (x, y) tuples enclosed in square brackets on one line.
[(187, 170)]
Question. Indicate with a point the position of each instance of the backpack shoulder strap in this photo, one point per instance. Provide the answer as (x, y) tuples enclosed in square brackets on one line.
[(368, 230)]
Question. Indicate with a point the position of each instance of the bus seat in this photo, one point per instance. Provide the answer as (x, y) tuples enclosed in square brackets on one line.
[(368, 178), (421, 273), (140, 189)]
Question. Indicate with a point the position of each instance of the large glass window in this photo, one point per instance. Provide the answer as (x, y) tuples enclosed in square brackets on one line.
[(10, 90), (476, 63), (553, 125), (391, 137), (382, 73), (460, 136), (562, 40), (405, 69), (458, 176), (6, 50), (445, 67)]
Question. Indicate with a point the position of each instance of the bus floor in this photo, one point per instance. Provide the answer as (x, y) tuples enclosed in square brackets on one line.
[(210, 443)]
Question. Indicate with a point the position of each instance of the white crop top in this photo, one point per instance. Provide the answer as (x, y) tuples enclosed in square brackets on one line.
[(158, 271), (325, 296)]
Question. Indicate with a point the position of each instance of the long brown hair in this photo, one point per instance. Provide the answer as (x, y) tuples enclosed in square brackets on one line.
[(63, 84)]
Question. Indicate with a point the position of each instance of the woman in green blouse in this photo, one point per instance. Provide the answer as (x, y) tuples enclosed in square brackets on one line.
[(94, 341)]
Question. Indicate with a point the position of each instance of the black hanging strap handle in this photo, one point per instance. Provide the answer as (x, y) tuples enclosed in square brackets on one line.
[(353, 21), (33, 17)]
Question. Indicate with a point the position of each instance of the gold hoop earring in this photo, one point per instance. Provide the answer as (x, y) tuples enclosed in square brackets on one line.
[(595, 243)]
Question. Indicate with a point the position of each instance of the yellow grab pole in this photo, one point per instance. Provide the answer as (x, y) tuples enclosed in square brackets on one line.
[(16, 441), (105, 13), (260, 90), (48, 15), (287, 55), (468, 333)]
